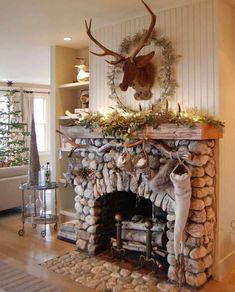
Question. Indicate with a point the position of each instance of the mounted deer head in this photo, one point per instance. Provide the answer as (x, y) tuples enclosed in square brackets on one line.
[(138, 71)]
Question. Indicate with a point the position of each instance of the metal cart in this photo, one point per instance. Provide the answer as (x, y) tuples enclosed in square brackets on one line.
[(31, 214)]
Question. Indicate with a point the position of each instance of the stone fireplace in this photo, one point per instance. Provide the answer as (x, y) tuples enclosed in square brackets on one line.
[(104, 189)]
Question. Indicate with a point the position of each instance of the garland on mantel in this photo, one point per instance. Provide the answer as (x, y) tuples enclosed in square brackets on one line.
[(119, 123)]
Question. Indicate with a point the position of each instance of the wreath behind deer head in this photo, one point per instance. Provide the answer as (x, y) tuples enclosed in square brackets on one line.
[(138, 71)]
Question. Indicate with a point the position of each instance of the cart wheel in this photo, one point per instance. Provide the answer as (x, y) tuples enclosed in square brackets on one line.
[(34, 225), (43, 233), (55, 226), (21, 232)]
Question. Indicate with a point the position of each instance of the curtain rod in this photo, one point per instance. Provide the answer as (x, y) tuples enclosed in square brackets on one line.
[(26, 91), (10, 90), (32, 91)]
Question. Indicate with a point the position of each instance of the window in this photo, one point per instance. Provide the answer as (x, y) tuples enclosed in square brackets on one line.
[(40, 109), (3, 105)]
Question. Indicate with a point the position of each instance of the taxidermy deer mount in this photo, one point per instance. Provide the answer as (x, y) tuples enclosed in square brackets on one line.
[(138, 71)]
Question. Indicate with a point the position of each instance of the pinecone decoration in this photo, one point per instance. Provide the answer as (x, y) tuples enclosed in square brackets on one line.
[(85, 172)]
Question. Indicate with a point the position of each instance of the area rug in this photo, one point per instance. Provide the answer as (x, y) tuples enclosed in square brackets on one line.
[(13, 279), (102, 275)]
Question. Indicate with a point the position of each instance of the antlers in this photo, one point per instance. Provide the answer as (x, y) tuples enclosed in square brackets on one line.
[(107, 52), (117, 56), (147, 34)]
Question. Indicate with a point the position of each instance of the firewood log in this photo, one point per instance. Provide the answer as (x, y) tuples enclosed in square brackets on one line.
[(136, 246), (158, 238), (159, 226)]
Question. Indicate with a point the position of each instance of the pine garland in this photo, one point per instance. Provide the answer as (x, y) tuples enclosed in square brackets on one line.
[(122, 124)]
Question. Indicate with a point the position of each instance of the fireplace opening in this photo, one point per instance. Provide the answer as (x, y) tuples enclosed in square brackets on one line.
[(134, 212)]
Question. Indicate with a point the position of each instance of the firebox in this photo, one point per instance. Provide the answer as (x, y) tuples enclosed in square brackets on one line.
[(134, 212)]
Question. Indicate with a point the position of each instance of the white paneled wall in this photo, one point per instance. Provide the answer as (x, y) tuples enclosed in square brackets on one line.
[(191, 29)]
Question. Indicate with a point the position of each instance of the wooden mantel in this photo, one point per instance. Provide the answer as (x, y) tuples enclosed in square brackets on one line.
[(163, 132), (181, 132)]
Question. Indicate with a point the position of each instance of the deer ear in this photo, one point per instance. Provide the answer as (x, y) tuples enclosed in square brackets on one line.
[(142, 61)]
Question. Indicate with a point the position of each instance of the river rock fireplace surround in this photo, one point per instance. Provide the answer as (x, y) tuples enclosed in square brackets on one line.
[(97, 174)]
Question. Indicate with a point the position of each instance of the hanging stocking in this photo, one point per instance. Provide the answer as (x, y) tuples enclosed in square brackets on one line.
[(182, 191)]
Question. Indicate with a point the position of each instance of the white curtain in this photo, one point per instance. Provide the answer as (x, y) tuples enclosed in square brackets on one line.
[(27, 108)]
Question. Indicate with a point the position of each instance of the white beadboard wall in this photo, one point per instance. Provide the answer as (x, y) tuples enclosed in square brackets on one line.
[(191, 29)]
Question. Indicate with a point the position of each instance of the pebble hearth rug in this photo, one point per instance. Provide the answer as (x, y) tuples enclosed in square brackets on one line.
[(13, 279), (103, 276)]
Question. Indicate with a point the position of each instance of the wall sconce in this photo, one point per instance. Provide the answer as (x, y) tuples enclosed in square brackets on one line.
[(83, 74)]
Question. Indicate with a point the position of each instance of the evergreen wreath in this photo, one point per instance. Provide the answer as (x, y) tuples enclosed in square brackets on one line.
[(165, 76)]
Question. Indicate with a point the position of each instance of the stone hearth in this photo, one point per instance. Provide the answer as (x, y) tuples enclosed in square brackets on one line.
[(102, 274), (96, 176)]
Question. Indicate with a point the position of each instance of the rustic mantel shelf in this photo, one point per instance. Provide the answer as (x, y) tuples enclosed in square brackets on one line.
[(74, 85), (163, 132), (181, 132)]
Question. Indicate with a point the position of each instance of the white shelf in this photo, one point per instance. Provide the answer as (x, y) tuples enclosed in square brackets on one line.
[(67, 118), (69, 212), (74, 85)]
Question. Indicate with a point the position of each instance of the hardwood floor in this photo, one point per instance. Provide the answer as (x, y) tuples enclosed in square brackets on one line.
[(29, 251)]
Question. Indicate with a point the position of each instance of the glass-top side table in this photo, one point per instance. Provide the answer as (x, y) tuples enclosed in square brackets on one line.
[(35, 210)]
